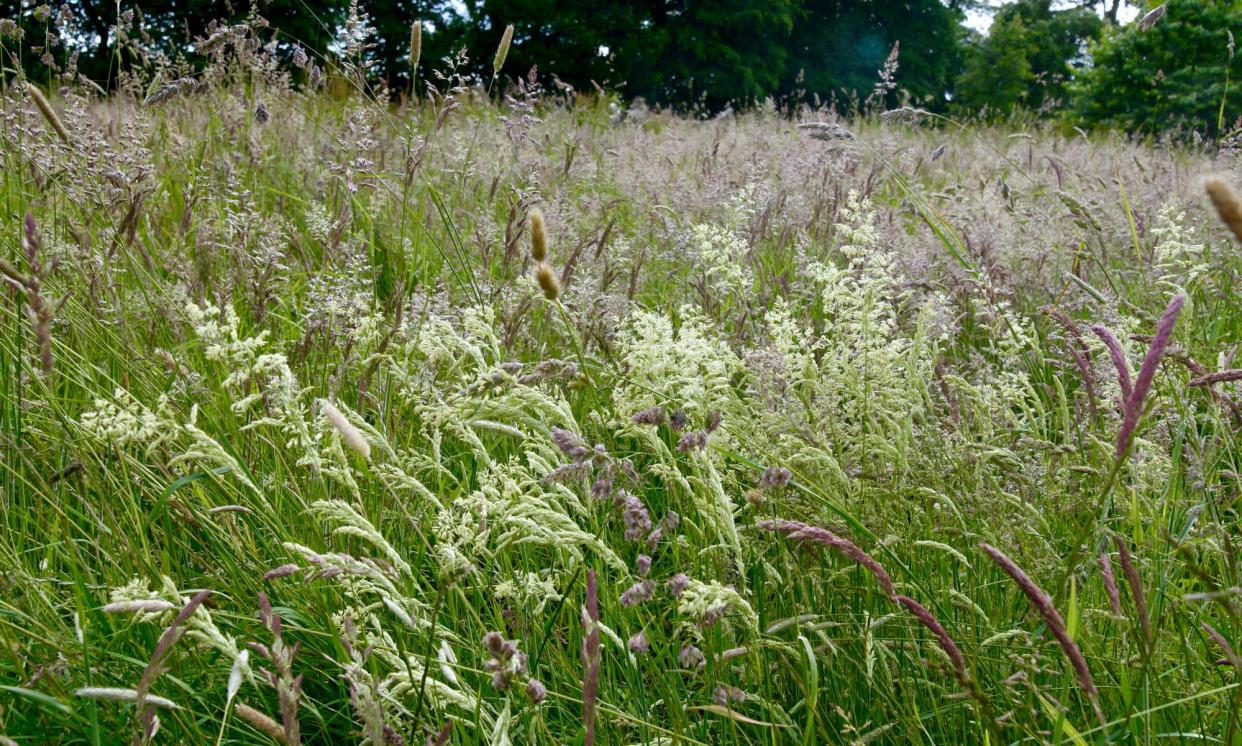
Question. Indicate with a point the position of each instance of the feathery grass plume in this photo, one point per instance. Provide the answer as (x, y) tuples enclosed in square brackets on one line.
[(416, 45), (1152, 17), (173, 88), (1078, 350), (145, 606), (260, 722), (795, 531), (1042, 603), (1110, 584), (280, 572), (654, 416), (350, 434), (1118, 356), (548, 281), (1147, 372), (536, 691), (1226, 202), (506, 662), (119, 694), (538, 236), (774, 476), (590, 658), (502, 51), (1136, 587), (45, 108), (1230, 656), (1224, 376), (158, 664), (826, 131)]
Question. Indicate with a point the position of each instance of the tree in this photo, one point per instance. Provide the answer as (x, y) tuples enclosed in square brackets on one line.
[(170, 26), (1028, 58), (838, 46), (709, 52), (1181, 71), (677, 52), (998, 72)]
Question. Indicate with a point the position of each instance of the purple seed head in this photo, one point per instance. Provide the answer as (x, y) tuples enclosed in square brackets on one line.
[(638, 593), (652, 416), (1147, 373), (774, 476), (536, 691)]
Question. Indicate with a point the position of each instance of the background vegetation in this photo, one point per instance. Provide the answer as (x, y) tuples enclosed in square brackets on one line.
[(1073, 61)]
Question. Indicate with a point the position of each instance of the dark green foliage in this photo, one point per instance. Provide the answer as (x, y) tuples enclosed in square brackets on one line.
[(706, 56), (837, 47), (1176, 73), (167, 26), (1028, 58)]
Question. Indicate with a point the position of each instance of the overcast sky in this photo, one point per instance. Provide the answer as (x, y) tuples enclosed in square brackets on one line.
[(980, 20)]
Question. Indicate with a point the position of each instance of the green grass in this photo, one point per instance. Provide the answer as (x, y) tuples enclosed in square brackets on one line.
[(889, 350)]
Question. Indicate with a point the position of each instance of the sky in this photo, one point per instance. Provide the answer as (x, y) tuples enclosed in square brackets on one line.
[(980, 20)]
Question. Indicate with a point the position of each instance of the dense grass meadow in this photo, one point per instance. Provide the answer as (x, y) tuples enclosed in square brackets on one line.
[(465, 417)]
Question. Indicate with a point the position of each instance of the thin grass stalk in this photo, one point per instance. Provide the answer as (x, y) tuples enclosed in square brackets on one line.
[(590, 659), (1136, 589), (1110, 584)]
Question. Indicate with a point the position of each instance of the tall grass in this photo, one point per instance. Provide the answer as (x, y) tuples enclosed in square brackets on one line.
[(539, 420)]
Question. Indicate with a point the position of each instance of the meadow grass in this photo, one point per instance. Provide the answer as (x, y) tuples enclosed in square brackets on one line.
[(868, 432)]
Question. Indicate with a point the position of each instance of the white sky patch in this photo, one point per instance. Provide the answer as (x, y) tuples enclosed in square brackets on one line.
[(981, 20)]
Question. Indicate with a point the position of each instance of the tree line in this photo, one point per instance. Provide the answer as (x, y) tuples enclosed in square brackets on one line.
[(1175, 67)]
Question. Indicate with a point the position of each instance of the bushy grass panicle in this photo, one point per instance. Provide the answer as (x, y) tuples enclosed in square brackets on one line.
[(719, 478)]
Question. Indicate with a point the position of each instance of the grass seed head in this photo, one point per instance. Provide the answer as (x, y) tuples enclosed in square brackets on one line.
[(548, 281), (1226, 202), (350, 434), (45, 108), (416, 45), (502, 51), (538, 237)]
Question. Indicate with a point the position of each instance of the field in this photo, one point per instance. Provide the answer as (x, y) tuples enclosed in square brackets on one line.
[(541, 419)]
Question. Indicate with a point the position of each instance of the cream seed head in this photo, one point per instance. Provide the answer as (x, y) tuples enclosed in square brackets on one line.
[(548, 281), (502, 51), (350, 435), (416, 45), (538, 237)]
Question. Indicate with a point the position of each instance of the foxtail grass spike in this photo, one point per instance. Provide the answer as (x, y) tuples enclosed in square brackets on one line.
[(416, 45), (1227, 204), (1042, 603), (502, 51), (1147, 373), (49, 114)]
